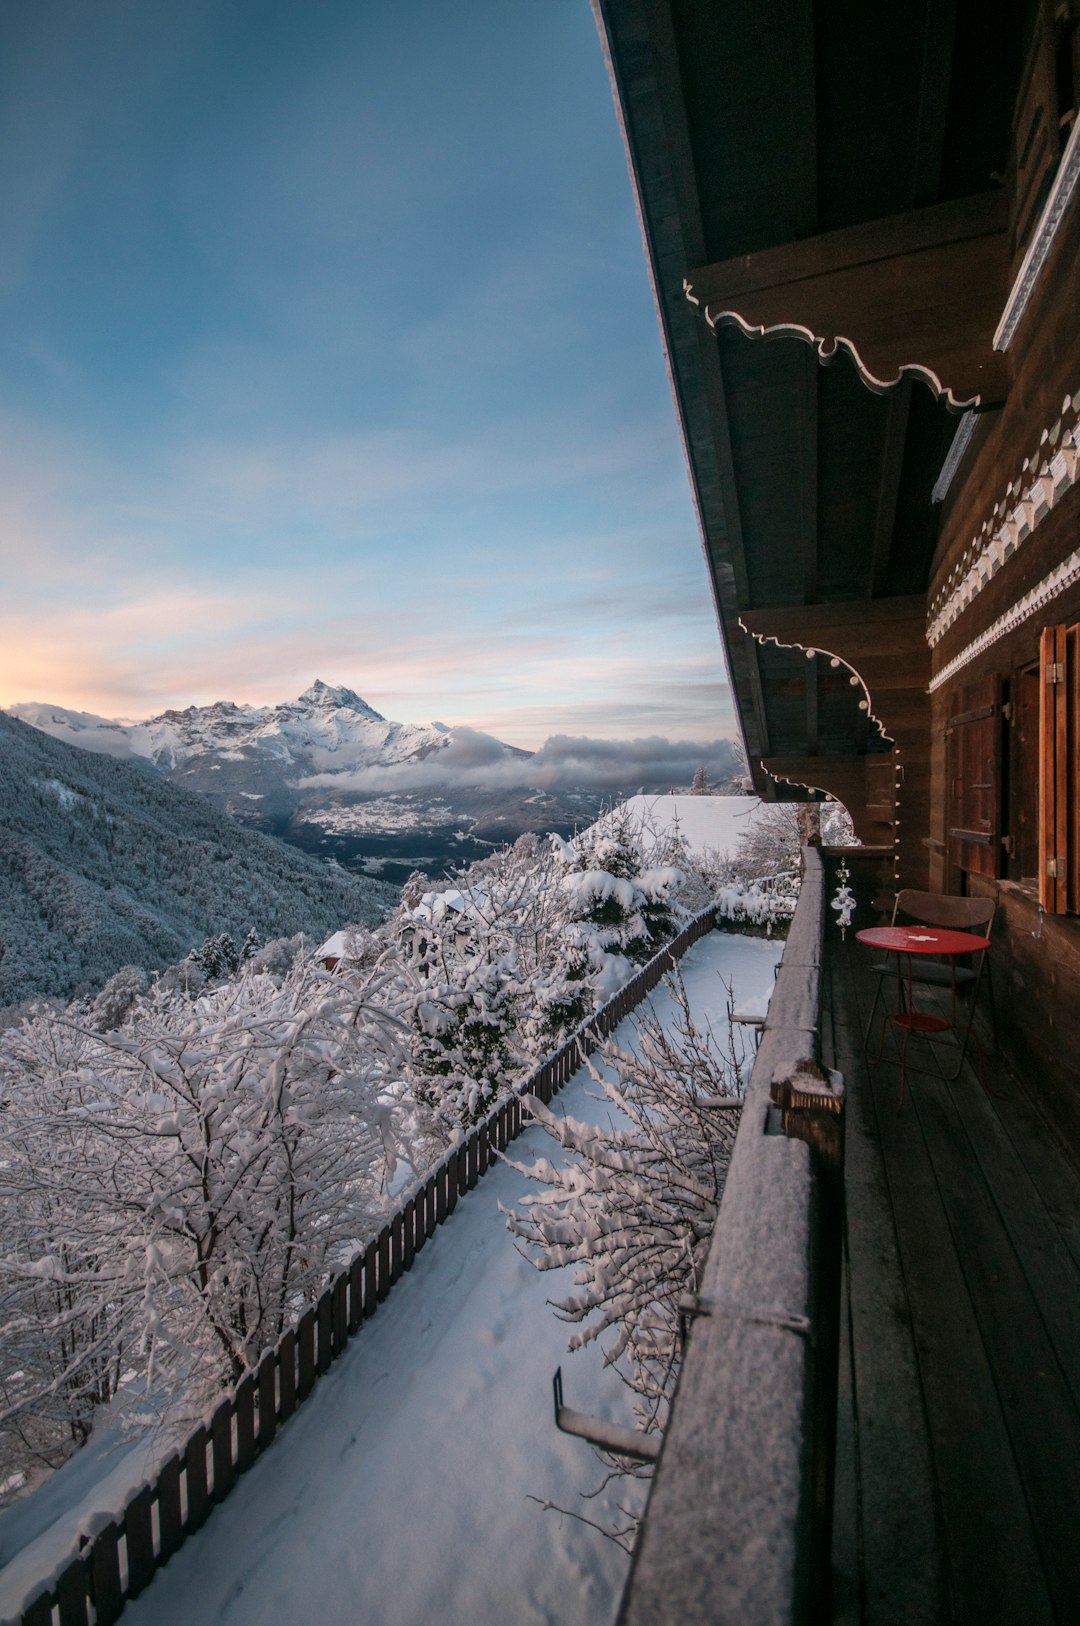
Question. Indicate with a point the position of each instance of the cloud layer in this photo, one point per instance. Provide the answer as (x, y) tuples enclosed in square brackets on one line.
[(476, 761)]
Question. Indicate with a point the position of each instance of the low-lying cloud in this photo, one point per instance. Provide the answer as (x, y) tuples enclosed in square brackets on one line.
[(476, 761)]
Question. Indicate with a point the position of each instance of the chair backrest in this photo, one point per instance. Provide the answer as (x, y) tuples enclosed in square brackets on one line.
[(936, 909)]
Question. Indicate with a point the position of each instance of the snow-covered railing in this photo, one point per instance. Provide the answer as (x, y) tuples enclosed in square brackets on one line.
[(118, 1553), (737, 1526)]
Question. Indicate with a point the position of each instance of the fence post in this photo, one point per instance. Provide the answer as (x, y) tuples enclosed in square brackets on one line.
[(324, 1321), (105, 1574), (305, 1346), (371, 1278), (356, 1292), (170, 1520), (39, 1611), (245, 1422), (383, 1246), (221, 1446), (340, 1312), (71, 1594), (408, 1238), (267, 1398), (139, 1536), (198, 1491), (287, 1375)]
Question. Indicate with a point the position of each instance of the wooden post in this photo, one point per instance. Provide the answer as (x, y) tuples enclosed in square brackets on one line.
[(221, 1446), (139, 1539), (813, 1111), (396, 1237), (267, 1385), (340, 1318), (324, 1321), (305, 1345), (356, 1292), (71, 1594), (245, 1422), (408, 1242), (170, 1520), (105, 1575), (39, 1611), (287, 1375), (371, 1278), (198, 1493), (382, 1243)]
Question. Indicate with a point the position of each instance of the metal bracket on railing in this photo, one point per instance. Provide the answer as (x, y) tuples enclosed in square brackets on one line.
[(692, 1305), (621, 1442)]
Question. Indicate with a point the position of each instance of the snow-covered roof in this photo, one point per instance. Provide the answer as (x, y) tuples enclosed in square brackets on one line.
[(437, 905), (707, 823), (333, 948)]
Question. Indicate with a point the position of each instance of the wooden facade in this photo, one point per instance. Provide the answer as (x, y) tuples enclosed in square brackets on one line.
[(863, 227)]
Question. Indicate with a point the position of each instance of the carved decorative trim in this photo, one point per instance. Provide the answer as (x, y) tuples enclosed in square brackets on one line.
[(960, 443), (1042, 241), (1043, 480), (828, 348), (835, 661), (1064, 576)]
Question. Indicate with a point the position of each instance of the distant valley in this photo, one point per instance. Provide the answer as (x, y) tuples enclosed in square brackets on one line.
[(329, 775), (104, 863)]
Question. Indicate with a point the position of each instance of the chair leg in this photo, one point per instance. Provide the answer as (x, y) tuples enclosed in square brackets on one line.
[(903, 1072)]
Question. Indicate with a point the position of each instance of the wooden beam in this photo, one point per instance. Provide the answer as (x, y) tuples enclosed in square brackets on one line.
[(892, 465), (919, 292), (807, 434), (812, 707), (853, 780), (939, 33)]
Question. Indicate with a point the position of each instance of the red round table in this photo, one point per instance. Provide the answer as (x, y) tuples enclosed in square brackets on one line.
[(912, 940)]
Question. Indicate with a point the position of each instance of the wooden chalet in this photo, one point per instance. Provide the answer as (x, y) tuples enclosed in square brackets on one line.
[(862, 224)]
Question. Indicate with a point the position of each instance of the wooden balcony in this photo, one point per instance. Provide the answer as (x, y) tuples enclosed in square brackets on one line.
[(956, 1489), (958, 1442)]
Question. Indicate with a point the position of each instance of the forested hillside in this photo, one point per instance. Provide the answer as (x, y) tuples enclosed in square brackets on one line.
[(104, 863)]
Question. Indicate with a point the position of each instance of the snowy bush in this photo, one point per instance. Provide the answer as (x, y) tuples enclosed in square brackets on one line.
[(633, 1207), (117, 999), (175, 1191)]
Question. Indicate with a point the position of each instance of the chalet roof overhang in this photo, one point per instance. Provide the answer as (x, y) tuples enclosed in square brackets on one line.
[(820, 193)]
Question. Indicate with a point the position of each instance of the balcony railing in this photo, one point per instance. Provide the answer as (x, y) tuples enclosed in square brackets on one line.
[(737, 1527)]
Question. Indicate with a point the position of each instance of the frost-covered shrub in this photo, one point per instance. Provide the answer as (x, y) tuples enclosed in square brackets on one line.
[(176, 1190), (633, 1206), (278, 955), (619, 908), (117, 999)]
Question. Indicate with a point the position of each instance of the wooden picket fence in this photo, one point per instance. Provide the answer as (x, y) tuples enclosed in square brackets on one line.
[(118, 1561)]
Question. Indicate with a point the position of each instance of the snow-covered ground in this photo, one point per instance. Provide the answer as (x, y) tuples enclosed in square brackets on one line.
[(400, 1492), (707, 823)]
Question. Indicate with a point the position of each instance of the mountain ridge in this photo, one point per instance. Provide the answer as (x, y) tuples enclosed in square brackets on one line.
[(105, 863)]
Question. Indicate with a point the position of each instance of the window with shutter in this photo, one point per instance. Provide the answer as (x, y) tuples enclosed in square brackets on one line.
[(1059, 767), (973, 735)]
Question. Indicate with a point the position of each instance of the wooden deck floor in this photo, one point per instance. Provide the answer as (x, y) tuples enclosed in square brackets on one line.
[(958, 1462)]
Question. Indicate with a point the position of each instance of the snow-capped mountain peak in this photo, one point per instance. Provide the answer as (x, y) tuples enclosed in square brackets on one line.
[(328, 697), (230, 749)]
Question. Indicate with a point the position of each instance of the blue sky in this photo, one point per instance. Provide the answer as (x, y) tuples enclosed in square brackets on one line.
[(327, 349)]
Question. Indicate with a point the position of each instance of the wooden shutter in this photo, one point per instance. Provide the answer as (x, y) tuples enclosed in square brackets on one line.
[(1059, 766), (974, 756)]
